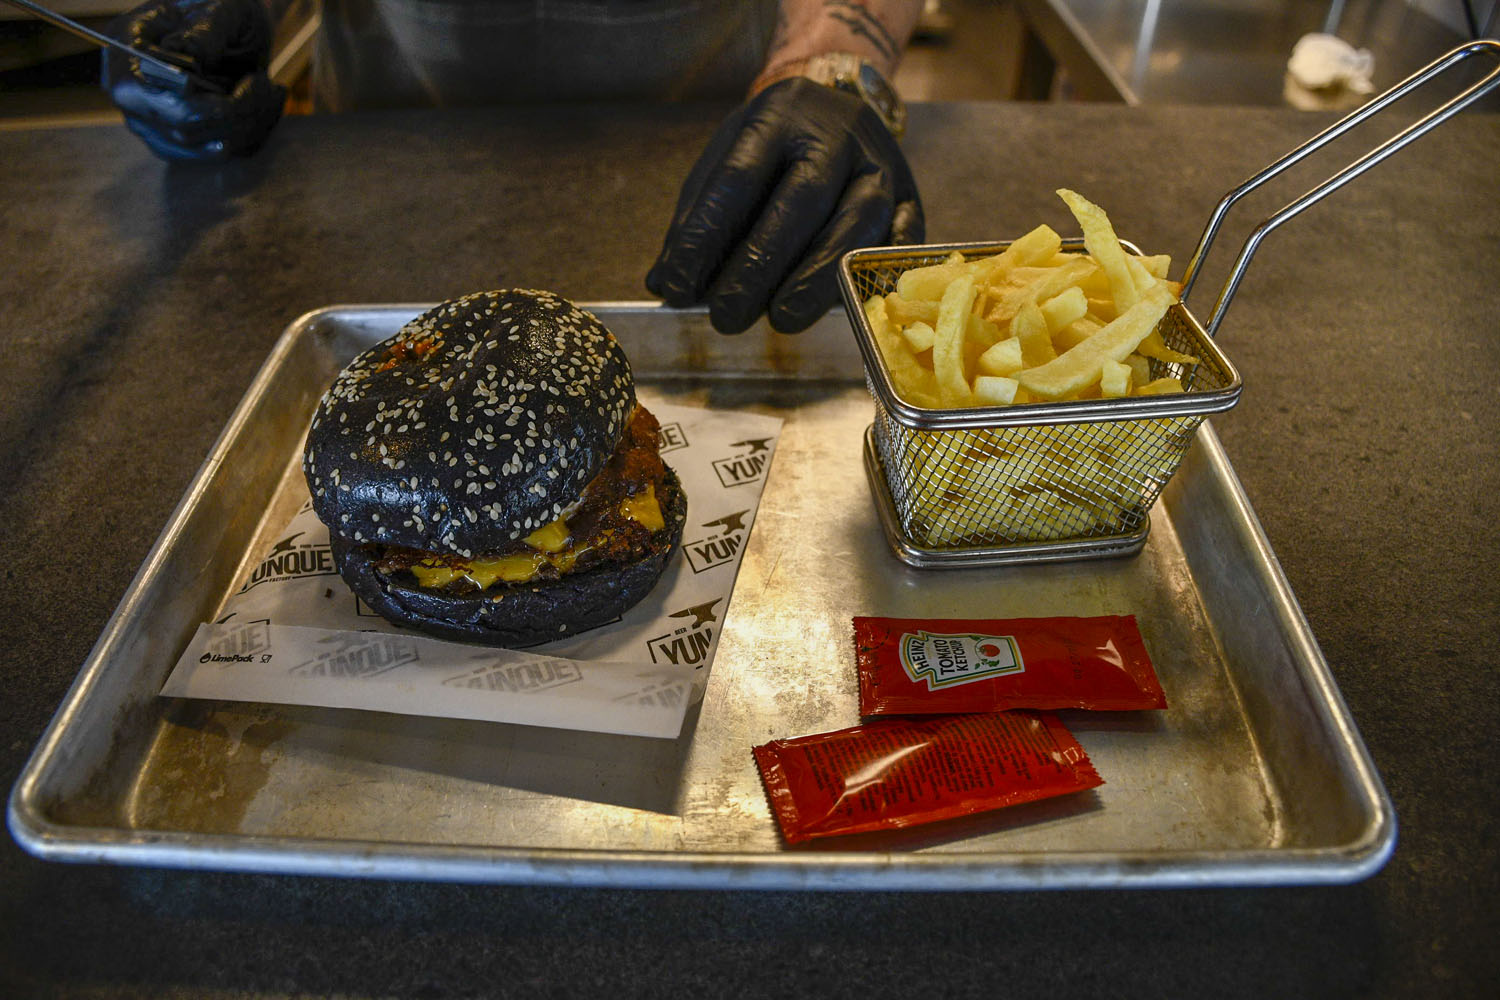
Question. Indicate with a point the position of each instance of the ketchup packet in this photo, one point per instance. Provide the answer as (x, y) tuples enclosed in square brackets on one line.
[(894, 773), (919, 666)]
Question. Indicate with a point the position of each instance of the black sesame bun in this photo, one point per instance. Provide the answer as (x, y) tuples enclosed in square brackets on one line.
[(521, 614), (476, 423), (449, 449)]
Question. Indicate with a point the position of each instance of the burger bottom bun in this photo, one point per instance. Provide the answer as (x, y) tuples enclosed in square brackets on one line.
[(526, 614)]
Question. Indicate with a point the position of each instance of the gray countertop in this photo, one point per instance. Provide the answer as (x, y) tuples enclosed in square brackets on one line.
[(140, 301)]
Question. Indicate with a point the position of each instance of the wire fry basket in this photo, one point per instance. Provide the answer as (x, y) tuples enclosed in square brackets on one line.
[(1041, 482), (1034, 481)]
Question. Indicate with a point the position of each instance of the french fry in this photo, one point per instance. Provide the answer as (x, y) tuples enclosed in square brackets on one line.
[(1037, 246), (1053, 282), (1081, 365), (1048, 318), (979, 336), (932, 453), (879, 318), (927, 284), (1158, 265), (1065, 307), (1096, 287), (1121, 441), (981, 332), (1046, 514), (995, 390), (946, 523), (1160, 386), (902, 310), (912, 381), (1033, 323), (919, 335), (947, 345), (1002, 358), (1090, 391), (1140, 275), (1018, 277), (1114, 379), (1030, 328), (1076, 332), (1104, 246), (1154, 347)]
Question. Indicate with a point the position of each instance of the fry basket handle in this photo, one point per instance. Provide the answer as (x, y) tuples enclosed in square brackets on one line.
[(1415, 131)]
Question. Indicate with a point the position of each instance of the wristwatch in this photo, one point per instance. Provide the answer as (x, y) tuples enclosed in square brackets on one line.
[(857, 75)]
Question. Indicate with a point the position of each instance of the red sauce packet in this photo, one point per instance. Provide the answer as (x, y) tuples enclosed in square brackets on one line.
[(894, 773), (919, 666)]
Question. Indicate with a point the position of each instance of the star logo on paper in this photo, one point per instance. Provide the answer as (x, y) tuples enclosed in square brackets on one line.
[(289, 560), (285, 545), (721, 546), (687, 644), (744, 467)]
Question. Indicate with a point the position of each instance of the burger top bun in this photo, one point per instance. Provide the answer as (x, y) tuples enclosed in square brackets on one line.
[(477, 423)]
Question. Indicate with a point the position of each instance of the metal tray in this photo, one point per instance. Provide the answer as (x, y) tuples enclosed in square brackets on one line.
[(1255, 774)]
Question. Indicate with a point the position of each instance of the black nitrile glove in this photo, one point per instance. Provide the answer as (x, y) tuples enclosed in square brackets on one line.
[(795, 177), (226, 41)]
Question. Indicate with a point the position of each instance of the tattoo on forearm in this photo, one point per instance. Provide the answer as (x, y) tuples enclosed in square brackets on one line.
[(863, 24), (783, 30)]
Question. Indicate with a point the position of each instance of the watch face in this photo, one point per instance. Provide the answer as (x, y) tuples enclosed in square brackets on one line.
[(874, 83), (879, 93), (849, 72)]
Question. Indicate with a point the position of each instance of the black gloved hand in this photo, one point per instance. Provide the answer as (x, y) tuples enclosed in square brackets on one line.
[(795, 177), (227, 41)]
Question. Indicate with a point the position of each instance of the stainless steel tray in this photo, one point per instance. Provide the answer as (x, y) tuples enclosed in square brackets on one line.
[(1255, 774)]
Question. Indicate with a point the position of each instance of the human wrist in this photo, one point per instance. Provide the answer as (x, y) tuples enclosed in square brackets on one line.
[(846, 71), (874, 30)]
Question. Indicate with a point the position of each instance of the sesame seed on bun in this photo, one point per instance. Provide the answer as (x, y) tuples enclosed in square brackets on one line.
[(492, 427)]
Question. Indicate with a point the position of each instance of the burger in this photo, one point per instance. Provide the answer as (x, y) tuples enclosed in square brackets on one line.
[(487, 474)]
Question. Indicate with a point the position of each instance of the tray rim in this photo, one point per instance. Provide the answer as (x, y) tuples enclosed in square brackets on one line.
[(48, 839)]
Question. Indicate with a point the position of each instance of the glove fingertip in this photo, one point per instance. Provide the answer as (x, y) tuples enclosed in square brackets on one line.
[(661, 282), (676, 297), (798, 309), (677, 285), (907, 224), (729, 321)]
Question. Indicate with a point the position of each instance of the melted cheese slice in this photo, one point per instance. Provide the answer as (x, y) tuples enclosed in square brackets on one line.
[(552, 544), (644, 510)]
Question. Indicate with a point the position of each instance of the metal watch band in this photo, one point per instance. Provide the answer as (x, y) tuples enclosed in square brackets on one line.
[(857, 75)]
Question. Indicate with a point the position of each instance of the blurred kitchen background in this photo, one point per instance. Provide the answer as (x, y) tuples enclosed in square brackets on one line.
[(1132, 51)]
